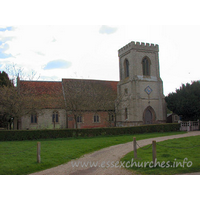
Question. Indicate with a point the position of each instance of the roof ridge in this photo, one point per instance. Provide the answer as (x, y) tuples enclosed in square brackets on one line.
[(88, 80), (40, 81)]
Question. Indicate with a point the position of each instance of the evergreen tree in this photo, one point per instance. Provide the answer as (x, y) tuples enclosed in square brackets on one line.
[(185, 101), (4, 79), (4, 83)]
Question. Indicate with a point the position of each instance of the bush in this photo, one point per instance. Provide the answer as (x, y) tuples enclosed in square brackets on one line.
[(19, 135)]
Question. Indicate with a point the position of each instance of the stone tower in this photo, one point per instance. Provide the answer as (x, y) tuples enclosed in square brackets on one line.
[(140, 89)]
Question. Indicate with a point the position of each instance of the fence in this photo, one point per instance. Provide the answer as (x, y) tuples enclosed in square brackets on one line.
[(189, 126), (153, 145)]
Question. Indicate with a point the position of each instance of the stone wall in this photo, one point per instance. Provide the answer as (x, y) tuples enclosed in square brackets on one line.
[(44, 120), (137, 100)]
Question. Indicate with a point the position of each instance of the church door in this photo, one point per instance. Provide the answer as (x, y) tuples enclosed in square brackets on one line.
[(148, 117)]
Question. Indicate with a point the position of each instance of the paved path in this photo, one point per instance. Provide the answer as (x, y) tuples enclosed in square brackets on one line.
[(105, 158)]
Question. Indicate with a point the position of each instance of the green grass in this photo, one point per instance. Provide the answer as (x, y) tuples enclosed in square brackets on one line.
[(173, 157), (19, 157)]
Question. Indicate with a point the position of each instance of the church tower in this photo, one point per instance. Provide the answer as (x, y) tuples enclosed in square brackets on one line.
[(140, 89)]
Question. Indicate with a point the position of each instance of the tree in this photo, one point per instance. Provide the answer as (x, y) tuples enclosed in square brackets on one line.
[(15, 103), (185, 101), (14, 71), (4, 80), (88, 95)]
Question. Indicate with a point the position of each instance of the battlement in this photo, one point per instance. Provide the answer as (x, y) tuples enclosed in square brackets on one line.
[(138, 46)]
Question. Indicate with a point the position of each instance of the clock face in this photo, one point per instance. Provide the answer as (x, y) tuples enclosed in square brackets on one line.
[(148, 90)]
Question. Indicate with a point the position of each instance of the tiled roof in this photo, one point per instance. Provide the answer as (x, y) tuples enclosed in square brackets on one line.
[(90, 94), (41, 87), (83, 94), (50, 93), (109, 84)]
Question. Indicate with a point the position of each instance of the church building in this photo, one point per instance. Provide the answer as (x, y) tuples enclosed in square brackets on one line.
[(140, 89), (136, 99)]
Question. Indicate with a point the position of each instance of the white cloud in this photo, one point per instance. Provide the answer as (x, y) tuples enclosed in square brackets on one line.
[(49, 78), (95, 56)]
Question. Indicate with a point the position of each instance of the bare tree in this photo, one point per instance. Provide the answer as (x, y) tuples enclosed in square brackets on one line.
[(105, 96), (88, 95), (76, 97), (14, 71), (15, 103)]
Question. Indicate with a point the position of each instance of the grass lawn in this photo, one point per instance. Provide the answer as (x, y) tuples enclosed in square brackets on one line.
[(19, 157), (173, 157)]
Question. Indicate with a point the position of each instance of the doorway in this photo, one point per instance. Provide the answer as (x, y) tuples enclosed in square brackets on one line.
[(149, 115)]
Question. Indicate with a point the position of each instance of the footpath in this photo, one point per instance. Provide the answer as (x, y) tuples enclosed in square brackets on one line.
[(100, 162)]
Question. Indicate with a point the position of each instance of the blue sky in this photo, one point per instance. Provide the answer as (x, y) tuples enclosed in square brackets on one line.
[(107, 30), (57, 64), (91, 51), (74, 44), (6, 28), (88, 35), (3, 48)]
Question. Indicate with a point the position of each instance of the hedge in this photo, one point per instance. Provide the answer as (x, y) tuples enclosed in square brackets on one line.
[(19, 135)]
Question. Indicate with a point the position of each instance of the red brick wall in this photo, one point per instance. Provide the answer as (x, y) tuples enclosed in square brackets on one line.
[(88, 120)]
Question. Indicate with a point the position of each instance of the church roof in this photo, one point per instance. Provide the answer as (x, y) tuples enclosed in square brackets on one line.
[(48, 93), (83, 94), (90, 94)]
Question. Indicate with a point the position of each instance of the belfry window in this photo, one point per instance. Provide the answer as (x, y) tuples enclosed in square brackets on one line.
[(146, 66), (126, 68)]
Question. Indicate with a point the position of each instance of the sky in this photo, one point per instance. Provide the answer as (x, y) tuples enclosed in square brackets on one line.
[(80, 39), (66, 50)]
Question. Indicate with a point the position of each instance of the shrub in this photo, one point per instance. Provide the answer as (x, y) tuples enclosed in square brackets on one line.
[(14, 135)]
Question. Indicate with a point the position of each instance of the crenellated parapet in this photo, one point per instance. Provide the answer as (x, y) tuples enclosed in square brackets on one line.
[(138, 46)]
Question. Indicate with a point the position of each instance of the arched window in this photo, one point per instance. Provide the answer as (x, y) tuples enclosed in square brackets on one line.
[(146, 66), (126, 68), (34, 118), (55, 117), (111, 117), (79, 118), (96, 118)]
